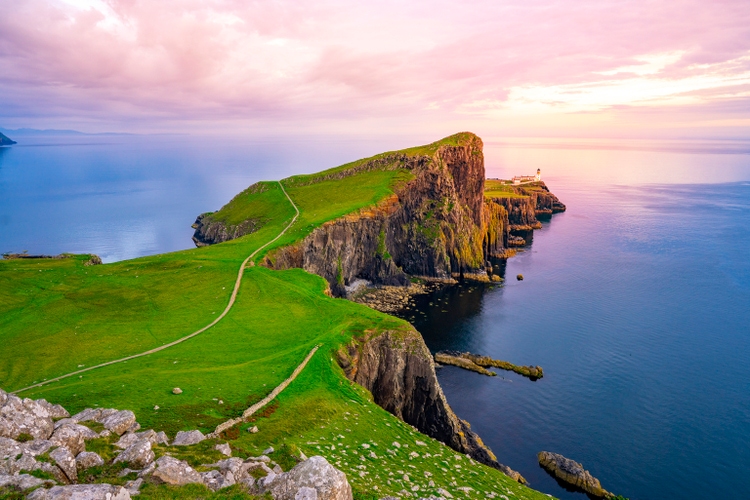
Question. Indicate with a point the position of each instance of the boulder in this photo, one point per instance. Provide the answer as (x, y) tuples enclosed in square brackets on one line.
[(315, 473), (215, 480), (66, 461), (69, 436), (126, 440), (81, 492), (14, 466), (138, 454), (134, 486), (3, 397), (24, 417), (224, 449), (37, 447), (21, 481), (87, 459), (153, 436), (176, 472), (186, 438), (87, 415), (571, 472), (64, 421), (118, 422), (9, 448), (55, 411)]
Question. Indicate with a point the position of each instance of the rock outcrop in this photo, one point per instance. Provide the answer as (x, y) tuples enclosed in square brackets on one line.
[(210, 229), (397, 368), (5, 140), (572, 473), (313, 479)]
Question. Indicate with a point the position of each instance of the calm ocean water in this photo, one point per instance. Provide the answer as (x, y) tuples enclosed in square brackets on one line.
[(636, 301)]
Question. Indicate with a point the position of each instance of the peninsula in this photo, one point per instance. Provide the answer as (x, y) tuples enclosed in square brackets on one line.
[(5, 140), (242, 346)]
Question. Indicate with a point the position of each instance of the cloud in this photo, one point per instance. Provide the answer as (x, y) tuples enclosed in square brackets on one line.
[(166, 64)]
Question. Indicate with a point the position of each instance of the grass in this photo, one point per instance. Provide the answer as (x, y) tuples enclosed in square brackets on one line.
[(500, 189), (59, 315)]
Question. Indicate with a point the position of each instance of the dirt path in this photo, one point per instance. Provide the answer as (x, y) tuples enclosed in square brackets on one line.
[(263, 402), (187, 337)]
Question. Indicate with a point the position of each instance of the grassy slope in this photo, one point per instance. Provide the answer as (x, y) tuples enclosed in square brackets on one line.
[(500, 189), (56, 315)]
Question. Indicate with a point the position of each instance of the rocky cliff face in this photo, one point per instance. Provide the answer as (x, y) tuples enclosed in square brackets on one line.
[(534, 201), (397, 368), (436, 225), (210, 230)]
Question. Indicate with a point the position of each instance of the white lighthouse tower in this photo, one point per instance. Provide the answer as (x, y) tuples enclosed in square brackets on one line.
[(538, 174)]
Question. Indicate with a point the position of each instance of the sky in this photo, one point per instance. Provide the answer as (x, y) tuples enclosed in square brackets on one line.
[(501, 68)]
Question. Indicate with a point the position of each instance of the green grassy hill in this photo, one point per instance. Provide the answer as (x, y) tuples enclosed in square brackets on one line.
[(59, 315)]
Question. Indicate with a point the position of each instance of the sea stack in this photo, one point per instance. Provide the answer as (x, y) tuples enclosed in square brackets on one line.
[(5, 140)]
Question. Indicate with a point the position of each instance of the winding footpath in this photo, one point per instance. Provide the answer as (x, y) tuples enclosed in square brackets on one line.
[(198, 332)]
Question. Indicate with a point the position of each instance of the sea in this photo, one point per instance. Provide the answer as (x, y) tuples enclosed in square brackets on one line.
[(635, 301)]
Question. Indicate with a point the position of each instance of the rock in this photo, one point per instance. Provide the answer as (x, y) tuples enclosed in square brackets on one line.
[(215, 480), (118, 422), (13, 466), (24, 417), (176, 390), (64, 421), (268, 450), (10, 448), (81, 492), (55, 411), (71, 437), (519, 277), (37, 447), (444, 493), (277, 469), (134, 486), (172, 471), (20, 481), (315, 473), (87, 415), (151, 435), (571, 472), (138, 454), (161, 438), (236, 466), (66, 461), (106, 412), (54, 471), (224, 449), (134, 428), (186, 438), (87, 459), (254, 429), (127, 439)]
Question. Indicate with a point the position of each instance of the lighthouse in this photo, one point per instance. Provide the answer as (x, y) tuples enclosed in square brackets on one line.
[(538, 174)]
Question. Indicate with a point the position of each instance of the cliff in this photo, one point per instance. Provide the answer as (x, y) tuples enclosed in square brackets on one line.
[(525, 203), (435, 225), (397, 368), (5, 141)]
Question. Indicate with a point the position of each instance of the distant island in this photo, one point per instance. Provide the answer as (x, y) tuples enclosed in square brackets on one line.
[(5, 140)]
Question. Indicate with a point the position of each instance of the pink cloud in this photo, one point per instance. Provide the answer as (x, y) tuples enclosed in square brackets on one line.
[(131, 62)]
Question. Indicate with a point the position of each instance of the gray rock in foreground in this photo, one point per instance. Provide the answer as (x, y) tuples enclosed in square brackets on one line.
[(314, 478), (82, 492), (176, 472), (186, 438)]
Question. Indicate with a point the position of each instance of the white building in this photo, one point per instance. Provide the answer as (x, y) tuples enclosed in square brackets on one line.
[(522, 179)]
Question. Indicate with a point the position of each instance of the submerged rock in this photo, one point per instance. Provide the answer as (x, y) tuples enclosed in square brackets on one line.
[(572, 473)]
